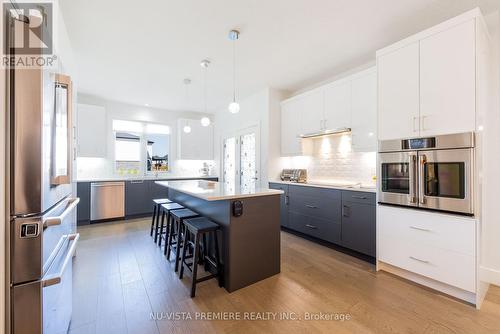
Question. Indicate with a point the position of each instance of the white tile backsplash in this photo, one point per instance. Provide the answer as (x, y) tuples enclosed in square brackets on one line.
[(333, 160)]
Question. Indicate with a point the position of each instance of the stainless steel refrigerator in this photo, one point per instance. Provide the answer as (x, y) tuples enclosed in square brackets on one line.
[(42, 212)]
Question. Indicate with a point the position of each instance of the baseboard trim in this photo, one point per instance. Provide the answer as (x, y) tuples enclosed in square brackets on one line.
[(489, 275), (452, 291)]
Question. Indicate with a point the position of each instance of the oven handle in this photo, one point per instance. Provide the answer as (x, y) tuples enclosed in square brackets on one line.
[(413, 173), (57, 220), (421, 165), (56, 279)]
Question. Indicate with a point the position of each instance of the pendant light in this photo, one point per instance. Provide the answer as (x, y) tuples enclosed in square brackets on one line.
[(205, 121), (187, 82), (234, 107)]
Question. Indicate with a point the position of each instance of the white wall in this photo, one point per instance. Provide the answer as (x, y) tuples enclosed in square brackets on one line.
[(260, 109), (88, 168)]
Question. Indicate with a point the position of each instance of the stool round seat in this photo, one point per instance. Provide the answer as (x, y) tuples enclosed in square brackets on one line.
[(171, 206), (201, 224)]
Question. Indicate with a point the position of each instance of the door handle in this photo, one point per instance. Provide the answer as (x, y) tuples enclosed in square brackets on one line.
[(412, 171), (311, 226), (421, 172), (56, 279), (57, 220)]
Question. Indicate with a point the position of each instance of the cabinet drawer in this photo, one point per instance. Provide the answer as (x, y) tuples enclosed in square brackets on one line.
[(316, 227), (446, 266), (324, 208), (317, 192), (359, 197), (447, 232)]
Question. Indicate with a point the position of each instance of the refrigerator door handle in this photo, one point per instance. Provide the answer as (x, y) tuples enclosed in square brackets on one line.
[(56, 279), (57, 220)]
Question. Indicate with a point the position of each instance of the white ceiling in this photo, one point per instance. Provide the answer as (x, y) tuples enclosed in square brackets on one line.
[(140, 51)]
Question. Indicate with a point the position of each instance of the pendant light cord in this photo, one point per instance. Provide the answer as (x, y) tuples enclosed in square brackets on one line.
[(234, 69), (205, 88)]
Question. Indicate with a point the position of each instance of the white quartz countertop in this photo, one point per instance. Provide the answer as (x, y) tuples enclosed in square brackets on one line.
[(144, 177), (331, 185), (215, 191)]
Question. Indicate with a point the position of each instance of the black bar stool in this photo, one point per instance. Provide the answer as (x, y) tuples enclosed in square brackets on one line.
[(176, 231), (197, 228), (156, 213), (166, 209)]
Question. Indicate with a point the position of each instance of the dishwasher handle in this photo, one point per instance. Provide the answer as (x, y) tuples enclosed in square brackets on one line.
[(107, 184)]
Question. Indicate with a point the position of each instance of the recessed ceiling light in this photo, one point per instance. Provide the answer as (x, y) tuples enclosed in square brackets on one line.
[(187, 129)]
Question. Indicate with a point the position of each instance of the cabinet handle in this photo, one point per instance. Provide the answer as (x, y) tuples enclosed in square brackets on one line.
[(420, 229), (311, 206), (419, 260), (344, 211), (414, 127), (287, 200), (359, 197), (423, 122), (311, 226), (137, 181)]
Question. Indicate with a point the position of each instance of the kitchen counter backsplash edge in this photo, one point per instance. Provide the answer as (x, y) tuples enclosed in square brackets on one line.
[(146, 178), (350, 188)]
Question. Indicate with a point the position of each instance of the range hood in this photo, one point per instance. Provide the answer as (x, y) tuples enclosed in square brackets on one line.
[(325, 133)]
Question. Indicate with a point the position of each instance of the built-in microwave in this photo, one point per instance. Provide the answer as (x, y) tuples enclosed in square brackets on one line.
[(431, 173)]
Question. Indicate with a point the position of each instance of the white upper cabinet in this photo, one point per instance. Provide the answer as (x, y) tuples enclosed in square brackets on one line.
[(197, 144), (398, 93), (364, 111), (427, 82), (337, 105), (447, 81), (312, 111), (290, 127), (91, 131)]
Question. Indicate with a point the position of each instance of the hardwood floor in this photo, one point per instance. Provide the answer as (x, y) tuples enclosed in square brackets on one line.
[(121, 277)]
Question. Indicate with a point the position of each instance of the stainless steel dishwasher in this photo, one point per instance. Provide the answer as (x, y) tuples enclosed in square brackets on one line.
[(107, 200)]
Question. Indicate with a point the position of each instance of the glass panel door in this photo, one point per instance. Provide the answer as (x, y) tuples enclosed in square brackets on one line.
[(445, 179), (229, 164), (248, 163), (240, 161)]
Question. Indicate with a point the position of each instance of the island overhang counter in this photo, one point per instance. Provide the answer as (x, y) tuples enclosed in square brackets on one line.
[(250, 246)]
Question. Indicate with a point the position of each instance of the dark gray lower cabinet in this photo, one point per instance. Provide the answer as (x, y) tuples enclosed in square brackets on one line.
[(137, 198), (358, 227), (284, 202), (83, 208), (343, 217)]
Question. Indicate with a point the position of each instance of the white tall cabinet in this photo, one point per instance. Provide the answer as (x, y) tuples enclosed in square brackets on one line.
[(434, 83)]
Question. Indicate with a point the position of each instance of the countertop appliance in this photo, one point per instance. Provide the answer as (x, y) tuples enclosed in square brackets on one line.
[(41, 229), (294, 175), (107, 200), (432, 173)]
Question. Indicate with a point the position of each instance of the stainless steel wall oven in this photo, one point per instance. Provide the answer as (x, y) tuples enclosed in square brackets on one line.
[(432, 173)]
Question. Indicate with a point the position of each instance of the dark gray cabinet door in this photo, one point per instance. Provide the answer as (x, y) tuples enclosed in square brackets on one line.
[(323, 229), (137, 198), (358, 227), (157, 191), (284, 202), (83, 208)]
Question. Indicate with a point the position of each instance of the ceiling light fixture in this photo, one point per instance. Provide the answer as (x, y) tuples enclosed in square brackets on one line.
[(187, 129), (205, 121), (234, 107)]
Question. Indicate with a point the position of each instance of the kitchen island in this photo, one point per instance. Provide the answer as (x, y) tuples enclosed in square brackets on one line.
[(250, 247)]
